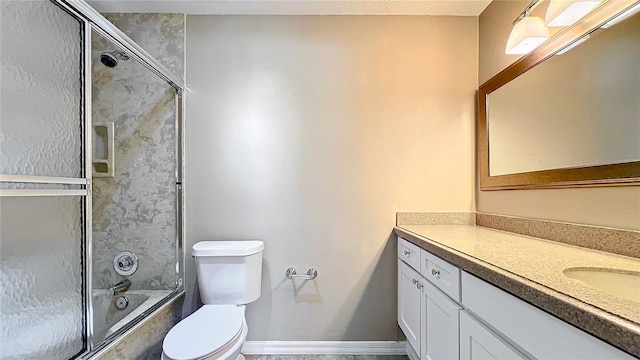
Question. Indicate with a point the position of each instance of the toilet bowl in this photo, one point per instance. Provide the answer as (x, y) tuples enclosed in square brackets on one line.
[(229, 276), (211, 333)]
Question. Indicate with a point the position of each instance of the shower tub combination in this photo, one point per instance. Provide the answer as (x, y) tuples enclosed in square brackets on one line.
[(90, 169)]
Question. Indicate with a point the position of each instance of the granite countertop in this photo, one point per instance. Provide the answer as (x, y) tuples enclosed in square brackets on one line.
[(532, 269)]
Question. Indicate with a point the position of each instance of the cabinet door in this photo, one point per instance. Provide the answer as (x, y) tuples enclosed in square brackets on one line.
[(479, 343), (440, 314), (409, 295)]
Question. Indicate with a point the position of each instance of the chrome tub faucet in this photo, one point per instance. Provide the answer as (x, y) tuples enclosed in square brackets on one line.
[(120, 286)]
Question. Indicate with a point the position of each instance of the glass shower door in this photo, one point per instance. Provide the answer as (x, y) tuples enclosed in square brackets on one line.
[(43, 187), (134, 188), (41, 306)]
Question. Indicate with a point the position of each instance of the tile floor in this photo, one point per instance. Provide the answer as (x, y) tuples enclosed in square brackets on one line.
[(326, 357)]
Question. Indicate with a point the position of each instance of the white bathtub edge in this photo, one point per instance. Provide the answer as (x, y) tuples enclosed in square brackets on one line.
[(135, 327), (152, 299)]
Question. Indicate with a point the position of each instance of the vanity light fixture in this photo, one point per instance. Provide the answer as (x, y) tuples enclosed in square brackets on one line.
[(632, 11), (574, 44), (568, 12), (528, 32)]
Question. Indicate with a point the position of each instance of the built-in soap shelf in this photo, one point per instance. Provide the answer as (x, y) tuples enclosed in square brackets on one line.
[(103, 142)]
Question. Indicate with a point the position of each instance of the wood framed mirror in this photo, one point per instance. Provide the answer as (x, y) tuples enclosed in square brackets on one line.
[(568, 113)]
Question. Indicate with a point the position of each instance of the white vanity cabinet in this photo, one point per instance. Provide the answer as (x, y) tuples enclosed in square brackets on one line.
[(440, 318), (448, 314), (478, 342), (409, 296), (533, 331), (428, 317)]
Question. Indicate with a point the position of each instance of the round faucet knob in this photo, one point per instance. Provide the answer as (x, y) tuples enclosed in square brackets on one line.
[(125, 263)]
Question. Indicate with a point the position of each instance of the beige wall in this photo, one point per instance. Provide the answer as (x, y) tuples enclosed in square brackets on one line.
[(609, 206), (310, 133)]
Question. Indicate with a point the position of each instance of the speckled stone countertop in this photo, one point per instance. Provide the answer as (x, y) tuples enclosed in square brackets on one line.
[(532, 269)]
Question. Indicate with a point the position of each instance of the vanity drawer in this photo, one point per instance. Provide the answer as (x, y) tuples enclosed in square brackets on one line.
[(535, 331), (409, 253), (440, 273)]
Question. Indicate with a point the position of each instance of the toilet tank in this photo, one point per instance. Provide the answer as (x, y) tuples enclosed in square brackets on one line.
[(229, 272)]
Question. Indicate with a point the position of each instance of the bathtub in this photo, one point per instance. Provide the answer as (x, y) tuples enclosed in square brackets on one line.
[(107, 319), (53, 321)]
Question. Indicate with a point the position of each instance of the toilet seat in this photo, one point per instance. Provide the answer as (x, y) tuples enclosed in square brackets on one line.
[(211, 329)]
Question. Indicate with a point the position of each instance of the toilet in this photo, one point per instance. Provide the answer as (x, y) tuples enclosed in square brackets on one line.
[(229, 276)]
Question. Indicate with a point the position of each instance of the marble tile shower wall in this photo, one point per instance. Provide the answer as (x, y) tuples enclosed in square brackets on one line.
[(161, 35), (135, 210)]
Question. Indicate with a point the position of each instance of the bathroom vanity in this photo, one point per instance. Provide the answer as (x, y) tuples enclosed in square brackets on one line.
[(470, 292)]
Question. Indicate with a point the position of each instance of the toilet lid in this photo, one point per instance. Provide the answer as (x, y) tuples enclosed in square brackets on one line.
[(204, 332)]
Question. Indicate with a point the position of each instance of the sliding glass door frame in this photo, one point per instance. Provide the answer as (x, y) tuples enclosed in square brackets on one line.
[(91, 20), (96, 22)]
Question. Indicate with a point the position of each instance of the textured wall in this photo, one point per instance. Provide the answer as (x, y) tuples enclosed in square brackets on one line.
[(310, 133), (135, 210), (607, 206), (161, 35)]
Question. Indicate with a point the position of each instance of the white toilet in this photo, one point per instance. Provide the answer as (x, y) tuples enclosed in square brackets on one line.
[(229, 276)]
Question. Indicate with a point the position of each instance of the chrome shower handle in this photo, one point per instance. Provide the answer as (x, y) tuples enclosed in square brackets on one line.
[(125, 262)]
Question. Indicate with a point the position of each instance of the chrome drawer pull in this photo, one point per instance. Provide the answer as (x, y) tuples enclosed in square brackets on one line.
[(406, 252), (435, 272)]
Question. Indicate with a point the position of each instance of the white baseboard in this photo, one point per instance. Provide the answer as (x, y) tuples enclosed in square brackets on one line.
[(324, 347)]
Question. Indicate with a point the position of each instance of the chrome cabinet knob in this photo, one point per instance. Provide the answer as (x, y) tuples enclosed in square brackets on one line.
[(417, 283), (406, 252), (435, 272)]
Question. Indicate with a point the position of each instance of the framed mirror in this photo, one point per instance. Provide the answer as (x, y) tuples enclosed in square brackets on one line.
[(568, 113)]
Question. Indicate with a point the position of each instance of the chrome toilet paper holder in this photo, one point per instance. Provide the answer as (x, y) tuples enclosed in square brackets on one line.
[(291, 273)]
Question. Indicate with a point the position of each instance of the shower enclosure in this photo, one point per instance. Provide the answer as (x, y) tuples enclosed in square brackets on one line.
[(90, 182)]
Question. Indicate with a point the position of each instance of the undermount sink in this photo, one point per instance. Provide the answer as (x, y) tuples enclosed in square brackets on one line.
[(620, 283)]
